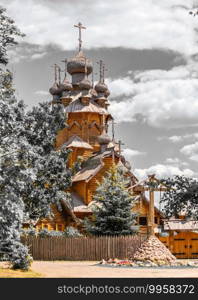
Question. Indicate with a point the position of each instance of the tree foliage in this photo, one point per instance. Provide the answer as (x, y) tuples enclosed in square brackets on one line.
[(112, 214), (8, 34), (33, 175), (181, 197)]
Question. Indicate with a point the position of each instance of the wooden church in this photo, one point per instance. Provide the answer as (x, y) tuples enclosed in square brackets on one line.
[(86, 134)]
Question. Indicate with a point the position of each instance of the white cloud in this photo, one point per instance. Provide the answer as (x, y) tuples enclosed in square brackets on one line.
[(175, 138), (121, 86), (26, 52), (163, 171), (38, 55), (176, 162), (163, 98), (179, 138), (191, 151), (172, 160), (130, 153), (144, 24)]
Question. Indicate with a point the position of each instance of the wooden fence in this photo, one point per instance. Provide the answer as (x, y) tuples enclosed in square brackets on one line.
[(83, 248)]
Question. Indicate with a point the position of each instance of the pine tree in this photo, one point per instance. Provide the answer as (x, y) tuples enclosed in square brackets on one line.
[(52, 178), (33, 175), (112, 214), (11, 173)]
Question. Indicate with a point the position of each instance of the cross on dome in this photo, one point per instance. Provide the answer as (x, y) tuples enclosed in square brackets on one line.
[(80, 27), (55, 66), (100, 62), (65, 61)]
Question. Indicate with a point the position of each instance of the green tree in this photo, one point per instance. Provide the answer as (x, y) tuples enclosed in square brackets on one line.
[(112, 209), (181, 196)]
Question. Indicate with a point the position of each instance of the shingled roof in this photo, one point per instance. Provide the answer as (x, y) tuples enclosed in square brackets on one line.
[(76, 142), (77, 106), (78, 204), (181, 225), (89, 169), (94, 164)]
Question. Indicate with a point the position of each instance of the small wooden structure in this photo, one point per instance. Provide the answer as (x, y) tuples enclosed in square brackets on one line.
[(182, 237)]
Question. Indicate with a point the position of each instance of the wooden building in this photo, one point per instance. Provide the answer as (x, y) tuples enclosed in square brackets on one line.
[(86, 134)]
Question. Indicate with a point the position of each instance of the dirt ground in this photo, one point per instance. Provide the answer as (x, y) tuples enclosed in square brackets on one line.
[(91, 269)]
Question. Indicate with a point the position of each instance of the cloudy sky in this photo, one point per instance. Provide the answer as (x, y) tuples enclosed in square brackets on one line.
[(151, 52)]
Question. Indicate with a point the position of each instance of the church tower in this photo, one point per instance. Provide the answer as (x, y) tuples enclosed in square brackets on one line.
[(86, 133)]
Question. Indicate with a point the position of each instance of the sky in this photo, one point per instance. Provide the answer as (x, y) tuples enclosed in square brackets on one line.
[(151, 54)]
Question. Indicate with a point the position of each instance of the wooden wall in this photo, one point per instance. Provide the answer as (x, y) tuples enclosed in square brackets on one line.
[(86, 125), (59, 222)]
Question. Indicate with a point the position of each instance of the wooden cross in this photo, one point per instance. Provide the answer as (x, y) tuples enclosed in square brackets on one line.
[(103, 72), (59, 74), (158, 188), (55, 66), (100, 62), (80, 27), (65, 61)]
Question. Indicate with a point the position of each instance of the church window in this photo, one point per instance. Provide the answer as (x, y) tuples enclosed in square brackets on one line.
[(143, 221)]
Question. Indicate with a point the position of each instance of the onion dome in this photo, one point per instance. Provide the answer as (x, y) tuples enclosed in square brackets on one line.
[(93, 93), (77, 64), (101, 87), (54, 90), (65, 85), (104, 139), (85, 84), (107, 93)]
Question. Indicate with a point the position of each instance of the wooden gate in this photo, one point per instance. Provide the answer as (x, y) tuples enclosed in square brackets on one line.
[(183, 245)]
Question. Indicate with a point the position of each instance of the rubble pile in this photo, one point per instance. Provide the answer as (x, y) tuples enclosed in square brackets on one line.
[(153, 250)]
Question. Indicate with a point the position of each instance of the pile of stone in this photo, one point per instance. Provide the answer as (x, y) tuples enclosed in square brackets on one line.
[(152, 253)]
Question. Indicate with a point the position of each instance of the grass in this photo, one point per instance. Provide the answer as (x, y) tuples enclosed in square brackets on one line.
[(6, 272)]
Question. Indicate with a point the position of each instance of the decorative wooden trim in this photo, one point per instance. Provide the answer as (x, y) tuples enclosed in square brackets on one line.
[(91, 125), (74, 123)]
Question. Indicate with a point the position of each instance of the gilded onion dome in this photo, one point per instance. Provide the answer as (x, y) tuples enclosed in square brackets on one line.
[(54, 90), (78, 64), (104, 139), (101, 87), (85, 84), (65, 85)]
